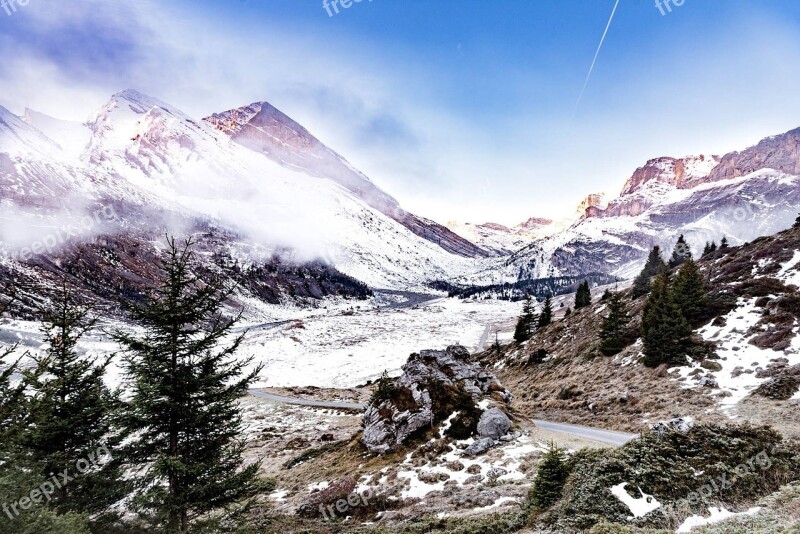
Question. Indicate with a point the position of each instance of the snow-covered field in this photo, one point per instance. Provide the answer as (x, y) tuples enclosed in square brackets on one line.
[(339, 344), (337, 349)]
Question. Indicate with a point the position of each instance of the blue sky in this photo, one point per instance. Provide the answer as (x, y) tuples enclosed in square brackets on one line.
[(461, 109)]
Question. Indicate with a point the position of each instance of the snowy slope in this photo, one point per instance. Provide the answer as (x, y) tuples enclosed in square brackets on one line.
[(141, 152), (266, 130)]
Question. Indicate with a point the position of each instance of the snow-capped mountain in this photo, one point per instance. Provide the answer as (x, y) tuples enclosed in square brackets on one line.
[(259, 176), (741, 196), (161, 169), (266, 130), (502, 240)]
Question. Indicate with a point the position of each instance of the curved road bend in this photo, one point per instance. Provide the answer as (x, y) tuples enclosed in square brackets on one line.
[(610, 437)]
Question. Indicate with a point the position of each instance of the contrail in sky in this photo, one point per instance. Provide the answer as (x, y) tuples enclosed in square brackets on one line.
[(602, 40)]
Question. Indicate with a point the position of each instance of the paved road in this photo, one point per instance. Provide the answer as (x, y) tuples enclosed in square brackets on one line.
[(610, 437), (484, 337), (412, 299), (306, 402)]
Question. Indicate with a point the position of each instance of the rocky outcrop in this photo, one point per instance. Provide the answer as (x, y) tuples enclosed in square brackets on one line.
[(683, 173), (592, 205), (780, 152), (435, 387)]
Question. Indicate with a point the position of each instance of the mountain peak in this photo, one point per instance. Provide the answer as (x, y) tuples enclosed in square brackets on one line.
[(535, 223), (260, 115)]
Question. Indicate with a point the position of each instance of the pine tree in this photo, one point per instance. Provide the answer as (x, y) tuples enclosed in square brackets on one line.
[(689, 292), (385, 389), (707, 249), (655, 264), (72, 413), (12, 401), (546, 317), (16, 474), (680, 253), (613, 328), (797, 222), (567, 313), (583, 297), (551, 474), (183, 411), (723, 245), (664, 329), (525, 323)]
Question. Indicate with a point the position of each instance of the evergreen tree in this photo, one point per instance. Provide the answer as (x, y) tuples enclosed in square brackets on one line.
[(664, 329), (797, 222), (680, 253), (496, 345), (723, 245), (525, 323), (689, 293), (707, 249), (655, 264), (72, 412), (567, 313), (614, 326), (183, 413), (583, 297), (12, 401), (551, 475), (546, 317), (385, 389), (16, 476)]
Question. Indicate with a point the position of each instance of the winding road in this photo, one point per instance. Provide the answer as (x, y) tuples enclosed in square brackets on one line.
[(609, 437)]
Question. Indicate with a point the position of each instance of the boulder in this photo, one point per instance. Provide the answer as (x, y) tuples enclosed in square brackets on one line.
[(678, 424), (480, 446), (494, 423), (434, 385)]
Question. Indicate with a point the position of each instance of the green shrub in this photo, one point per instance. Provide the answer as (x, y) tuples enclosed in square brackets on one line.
[(666, 467)]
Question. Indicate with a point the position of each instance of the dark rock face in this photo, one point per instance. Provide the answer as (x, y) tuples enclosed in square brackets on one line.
[(123, 268), (435, 385)]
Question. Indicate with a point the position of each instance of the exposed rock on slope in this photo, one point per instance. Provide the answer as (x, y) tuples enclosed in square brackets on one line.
[(434, 386)]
